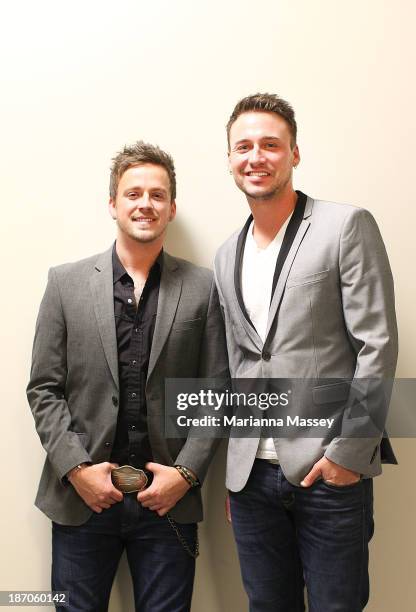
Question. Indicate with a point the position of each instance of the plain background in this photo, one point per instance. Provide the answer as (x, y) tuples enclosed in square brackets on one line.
[(80, 80)]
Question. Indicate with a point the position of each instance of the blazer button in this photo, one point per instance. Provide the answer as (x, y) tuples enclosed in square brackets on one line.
[(107, 444), (114, 400), (266, 355)]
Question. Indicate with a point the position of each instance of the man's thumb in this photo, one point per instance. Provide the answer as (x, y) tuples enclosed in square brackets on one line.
[(152, 467), (311, 477)]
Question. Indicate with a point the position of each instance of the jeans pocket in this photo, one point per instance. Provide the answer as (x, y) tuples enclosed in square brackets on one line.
[(335, 487)]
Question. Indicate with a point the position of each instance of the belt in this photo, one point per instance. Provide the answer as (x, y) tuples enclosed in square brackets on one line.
[(129, 479)]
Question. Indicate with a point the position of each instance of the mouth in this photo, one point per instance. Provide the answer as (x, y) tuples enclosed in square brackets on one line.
[(143, 220), (257, 173)]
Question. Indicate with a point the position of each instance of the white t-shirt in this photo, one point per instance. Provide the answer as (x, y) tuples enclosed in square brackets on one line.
[(256, 287)]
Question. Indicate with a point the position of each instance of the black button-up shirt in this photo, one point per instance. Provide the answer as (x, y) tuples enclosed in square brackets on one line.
[(135, 324)]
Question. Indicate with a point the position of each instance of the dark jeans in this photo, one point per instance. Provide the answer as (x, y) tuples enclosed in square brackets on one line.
[(288, 536), (85, 559)]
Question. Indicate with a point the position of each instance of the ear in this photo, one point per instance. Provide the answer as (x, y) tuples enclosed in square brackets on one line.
[(296, 156), (112, 208), (172, 214), (230, 170)]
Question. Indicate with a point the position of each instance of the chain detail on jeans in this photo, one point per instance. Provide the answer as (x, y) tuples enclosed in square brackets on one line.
[(194, 554)]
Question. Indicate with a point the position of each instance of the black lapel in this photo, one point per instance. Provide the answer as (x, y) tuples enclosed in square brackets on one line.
[(289, 236), (237, 267)]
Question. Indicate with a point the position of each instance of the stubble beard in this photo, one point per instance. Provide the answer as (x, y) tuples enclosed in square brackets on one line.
[(142, 236), (269, 195), (264, 197)]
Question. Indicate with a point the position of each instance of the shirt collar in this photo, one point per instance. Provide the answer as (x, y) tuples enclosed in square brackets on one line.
[(274, 244), (119, 270)]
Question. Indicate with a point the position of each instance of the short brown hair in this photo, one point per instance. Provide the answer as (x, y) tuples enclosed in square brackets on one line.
[(267, 103), (137, 154)]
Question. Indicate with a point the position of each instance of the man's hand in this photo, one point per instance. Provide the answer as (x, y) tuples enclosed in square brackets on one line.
[(93, 484), (330, 472), (167, 488)]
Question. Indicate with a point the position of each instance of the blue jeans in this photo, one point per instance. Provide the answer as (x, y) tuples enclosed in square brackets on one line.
[(85, 559), (288, 537)]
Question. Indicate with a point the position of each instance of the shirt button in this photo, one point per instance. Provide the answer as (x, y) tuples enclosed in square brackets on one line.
[(130, 301), (132, 456), (136, 329), (114, 400), (134, 395), (133, 427), (133, 363)]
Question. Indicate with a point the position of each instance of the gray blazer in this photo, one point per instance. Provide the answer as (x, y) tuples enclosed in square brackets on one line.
[(332, 316), (74, 387)]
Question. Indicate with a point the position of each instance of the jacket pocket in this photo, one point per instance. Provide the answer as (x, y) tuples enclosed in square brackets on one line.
[(315, 277), (332, 392)]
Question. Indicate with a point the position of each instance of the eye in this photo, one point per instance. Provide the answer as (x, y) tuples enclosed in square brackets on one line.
[(242, 148), (271, 145), (132, 195), (158, 195)]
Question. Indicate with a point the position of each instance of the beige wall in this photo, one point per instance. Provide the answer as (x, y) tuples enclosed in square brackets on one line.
[(80, 79)]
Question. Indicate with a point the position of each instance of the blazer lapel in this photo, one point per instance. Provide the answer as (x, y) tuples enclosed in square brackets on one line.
[(101, 284), (238, 262), (169, 294), (280, 274), (281, 283), (238, 265)]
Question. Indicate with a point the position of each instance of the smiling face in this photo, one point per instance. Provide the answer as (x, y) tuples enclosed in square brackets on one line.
[(143, 206), (261, 155)]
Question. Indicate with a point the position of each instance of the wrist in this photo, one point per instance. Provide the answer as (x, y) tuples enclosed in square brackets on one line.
[(75, 470), (188, 475)]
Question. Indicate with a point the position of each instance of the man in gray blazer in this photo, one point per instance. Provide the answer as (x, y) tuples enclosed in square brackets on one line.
[(307, 293), (110, 329)]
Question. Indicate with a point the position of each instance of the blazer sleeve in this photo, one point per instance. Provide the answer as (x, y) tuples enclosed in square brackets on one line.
[(369, 313), (197, 452), (46, 388)]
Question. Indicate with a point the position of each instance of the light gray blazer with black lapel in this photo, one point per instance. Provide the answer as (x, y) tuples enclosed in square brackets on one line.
[(332, 316), (74, 386)]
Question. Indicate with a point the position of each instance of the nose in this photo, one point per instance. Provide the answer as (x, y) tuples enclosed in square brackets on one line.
[(145, 201), (256, 155)]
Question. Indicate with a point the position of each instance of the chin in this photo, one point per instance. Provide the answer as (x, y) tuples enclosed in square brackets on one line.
[(145, 237), (261, 196)]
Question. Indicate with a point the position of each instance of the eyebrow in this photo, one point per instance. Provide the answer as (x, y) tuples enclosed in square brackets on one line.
[(162, 189), (139, 187), (262, 138)]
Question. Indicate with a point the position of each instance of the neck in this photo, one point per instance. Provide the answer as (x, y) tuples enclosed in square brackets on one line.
[(270, 215), (138, 257)]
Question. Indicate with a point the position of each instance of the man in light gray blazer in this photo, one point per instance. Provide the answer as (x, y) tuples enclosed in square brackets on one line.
[(110, 329), (307, 293)]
